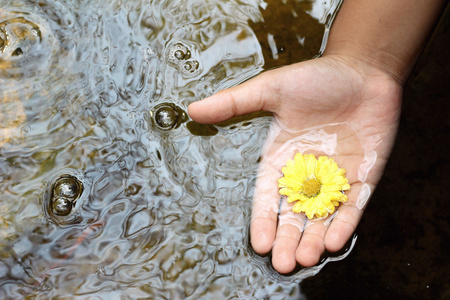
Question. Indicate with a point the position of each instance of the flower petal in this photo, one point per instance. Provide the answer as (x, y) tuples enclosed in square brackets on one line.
[(311, 164)]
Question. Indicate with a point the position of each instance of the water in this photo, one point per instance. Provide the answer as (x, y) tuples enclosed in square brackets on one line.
[(107, 188)]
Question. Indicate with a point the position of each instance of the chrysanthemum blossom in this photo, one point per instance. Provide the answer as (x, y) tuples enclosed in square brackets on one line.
[(316, 185)]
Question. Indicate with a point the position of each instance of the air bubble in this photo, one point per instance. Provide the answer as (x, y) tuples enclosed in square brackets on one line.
[(168, 116), (187, 66), (67, 187), (26, 129), (61, 206), (179, 54)]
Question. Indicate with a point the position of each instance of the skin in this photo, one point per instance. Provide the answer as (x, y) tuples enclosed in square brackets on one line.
[(372, 48)]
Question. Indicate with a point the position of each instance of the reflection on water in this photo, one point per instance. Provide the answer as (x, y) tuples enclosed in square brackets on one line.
[(106, 186)]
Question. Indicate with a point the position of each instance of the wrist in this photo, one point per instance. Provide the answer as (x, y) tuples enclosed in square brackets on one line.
[(383, 35), (370, 63)]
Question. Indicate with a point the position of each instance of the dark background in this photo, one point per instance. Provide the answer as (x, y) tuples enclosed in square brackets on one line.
[(402, 248)]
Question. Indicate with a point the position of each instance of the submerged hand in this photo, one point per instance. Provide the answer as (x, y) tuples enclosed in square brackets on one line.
[(354, 102)]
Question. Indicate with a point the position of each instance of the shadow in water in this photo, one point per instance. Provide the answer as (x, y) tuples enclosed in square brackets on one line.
[(298, 37)]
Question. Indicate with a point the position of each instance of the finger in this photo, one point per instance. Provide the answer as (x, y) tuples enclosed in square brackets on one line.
[(347, 218), (266, 199), (320, 234), (264, 209), (312, 243), (242, 99), (287, 239)]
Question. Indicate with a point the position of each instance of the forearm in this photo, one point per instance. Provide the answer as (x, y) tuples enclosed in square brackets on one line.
[(386, 34)]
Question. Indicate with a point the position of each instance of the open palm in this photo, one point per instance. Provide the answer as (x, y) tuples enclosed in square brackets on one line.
[(326, 106)]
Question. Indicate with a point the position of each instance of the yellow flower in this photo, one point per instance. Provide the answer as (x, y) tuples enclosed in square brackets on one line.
[(317, 185)]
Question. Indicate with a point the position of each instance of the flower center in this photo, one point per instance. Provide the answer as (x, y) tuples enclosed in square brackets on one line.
[(311, 187)]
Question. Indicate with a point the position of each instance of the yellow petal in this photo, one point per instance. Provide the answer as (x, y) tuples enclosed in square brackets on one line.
[(300, 164), (294, 197), (297, 207), (311, 164), (309, 213), (323, 168), (330, 207), (286, 192)]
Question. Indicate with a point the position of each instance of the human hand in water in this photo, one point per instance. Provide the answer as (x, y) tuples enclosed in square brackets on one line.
[(346, 99)]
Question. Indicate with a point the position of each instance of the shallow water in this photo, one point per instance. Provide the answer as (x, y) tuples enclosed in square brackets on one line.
[(96, 94)]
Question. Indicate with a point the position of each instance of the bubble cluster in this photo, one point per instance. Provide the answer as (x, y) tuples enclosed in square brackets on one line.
[(65, 191), (167, 116), (180, 57)]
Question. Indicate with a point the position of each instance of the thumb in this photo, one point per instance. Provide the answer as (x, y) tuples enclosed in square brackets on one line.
[(242, 99)]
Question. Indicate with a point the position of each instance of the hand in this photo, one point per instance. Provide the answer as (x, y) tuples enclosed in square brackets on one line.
[(339, 96)]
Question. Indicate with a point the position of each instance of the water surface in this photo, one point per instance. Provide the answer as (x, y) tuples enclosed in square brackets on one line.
[(95, 93)]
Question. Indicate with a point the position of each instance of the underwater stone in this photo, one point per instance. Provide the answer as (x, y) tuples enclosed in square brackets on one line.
[(61, 206)]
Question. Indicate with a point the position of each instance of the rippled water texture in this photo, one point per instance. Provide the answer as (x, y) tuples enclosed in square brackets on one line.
[(107, 188)]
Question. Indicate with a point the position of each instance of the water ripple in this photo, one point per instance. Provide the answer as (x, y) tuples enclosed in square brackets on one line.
[(165, 204)]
